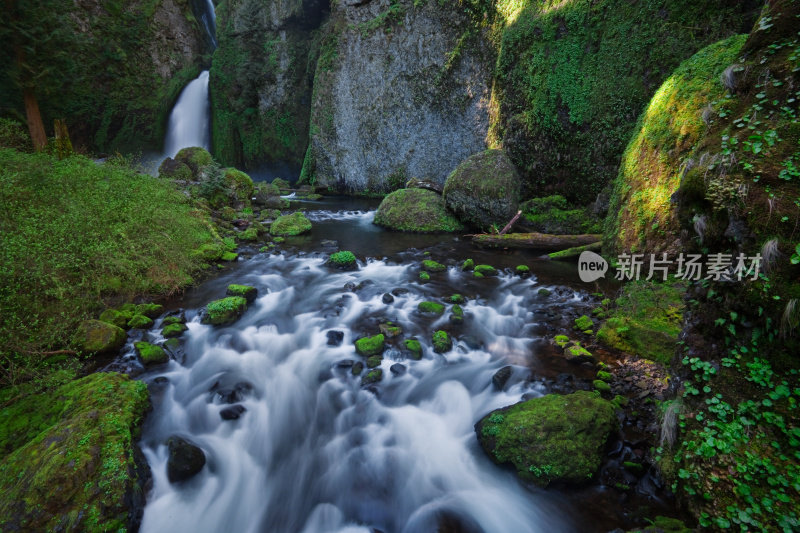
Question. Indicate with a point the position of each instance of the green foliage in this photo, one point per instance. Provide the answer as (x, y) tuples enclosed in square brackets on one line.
[(572, 77), (76, 233), (14, 135), (224, 311), (552, 214), (89, 480), (369, 346), (417, 210), (583, 323), (343, 259), (552, 438), (646, 320)]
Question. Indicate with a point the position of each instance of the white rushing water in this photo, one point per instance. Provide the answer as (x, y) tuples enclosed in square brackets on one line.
[(317, 452), (188, 121)]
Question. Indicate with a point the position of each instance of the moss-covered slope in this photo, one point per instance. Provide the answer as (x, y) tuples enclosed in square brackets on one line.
[(572, 78), (69, 460)]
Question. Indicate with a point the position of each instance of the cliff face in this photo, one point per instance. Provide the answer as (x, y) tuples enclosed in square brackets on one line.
[(115, 72), (400, 91), (261, 80)]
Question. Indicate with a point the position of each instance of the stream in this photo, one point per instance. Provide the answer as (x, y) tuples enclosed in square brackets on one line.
[(313, 449)]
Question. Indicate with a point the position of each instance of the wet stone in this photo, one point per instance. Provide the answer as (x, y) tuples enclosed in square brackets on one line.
[(501, 377), (399, 291), (345, 363), (335, 338), (387, 298), (233, 412), (398, 369), (185, 459)]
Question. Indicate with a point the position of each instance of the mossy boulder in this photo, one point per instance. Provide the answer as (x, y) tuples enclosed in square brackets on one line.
[(553, 214), (485, 270), (374, 361), (266, 195), (484, 190), (432, 266), (416, 210), (239, 186), (293, 224), (432, 308), (373, 376), (555, 438), (194, 157), (68, 457), (140, 322), (150, 310), (96, 336), (343, 260), (442, 342), (224, 311), (245, 291), (468, 264), (424, 276), (171, 331), (118, 318), (583, 323), (185, 459), (368, 346), (151, 354), (414, 347)]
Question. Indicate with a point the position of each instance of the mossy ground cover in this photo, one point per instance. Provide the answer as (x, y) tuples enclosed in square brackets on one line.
[(553, 214), (645, 320), (67, 456), (77, 234)]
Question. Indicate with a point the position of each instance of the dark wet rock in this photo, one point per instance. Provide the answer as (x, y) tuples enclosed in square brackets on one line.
[(399, 291), (352, 286), (387, 298), (390, 330), (233, 412), (185, 459), (345, 363), (358, 367), (473, 343), (373, 376), (398, 369), (335, 338), (501, 377), (161, 380), (231, 394), (327, 243)]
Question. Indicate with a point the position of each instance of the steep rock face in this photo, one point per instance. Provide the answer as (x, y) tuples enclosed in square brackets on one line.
[(261, 80), (400, 91), (115, 70), (572, 77)]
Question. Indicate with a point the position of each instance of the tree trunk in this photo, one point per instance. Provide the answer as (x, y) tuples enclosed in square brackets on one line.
[(63, 143), (35, 124), (538, 241)]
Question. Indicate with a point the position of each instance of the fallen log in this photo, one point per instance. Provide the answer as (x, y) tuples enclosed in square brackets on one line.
[(537, 241), (572, 253)]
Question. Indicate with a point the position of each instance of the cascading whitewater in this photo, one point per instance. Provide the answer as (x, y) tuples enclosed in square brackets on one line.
[(189, 123), (315, 451)]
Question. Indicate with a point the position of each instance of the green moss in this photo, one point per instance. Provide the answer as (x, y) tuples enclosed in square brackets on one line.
[(442, 342), (413, 346), (604, 376), (424, 276), (250, 234), (224, 311), (194, 157), (229, 256), (173, 330), (483, 190), (552, 438), (140, 322), (457, 311), (544, 293), (561, 340), (432, 266), (95, 336), (239, 186), (245, 291), (68, 456), (485, 270), (663, 524), (477, 275), (583, 323), (118, 318), (468, 264), (373, 376), (343, 259), (374, 361), (645, 320), (358, 367), (434, 308), (150, 310), (523, 269), (293, 224), (150, 353), (552, 214), (575, 252), (416, 210), (457, 299), (576, 352), (368, 346)]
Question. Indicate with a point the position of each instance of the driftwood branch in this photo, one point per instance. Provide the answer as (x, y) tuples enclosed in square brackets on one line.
[(511, 223), (572, 253), (536, 241)]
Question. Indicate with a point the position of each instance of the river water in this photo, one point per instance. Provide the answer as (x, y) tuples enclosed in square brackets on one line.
[(314, 450)]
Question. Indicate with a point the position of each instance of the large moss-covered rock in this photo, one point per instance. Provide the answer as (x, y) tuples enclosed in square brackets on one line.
[(483, 190), (151, 354), (239, 187), (68, 458), (416, 210), (555, 438), (96, 336), (224, 311), (571, 78), (401, 91), (663, 154), (293, 224)]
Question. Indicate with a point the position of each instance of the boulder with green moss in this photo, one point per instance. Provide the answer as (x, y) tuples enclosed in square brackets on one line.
[(555, 438), (224, 311), (68, 457), (416, 210), (442, 342), (414, 347), (245, 291), (485, 270), (373, 376), (151, 354), (343, 260), (554, 215), (431, 308), (430, 265), (239, 187), (116, 317), (140, 322), (96, 336), (171, 331), (293, 224), (368, 346), (484, 190), (150, 310)]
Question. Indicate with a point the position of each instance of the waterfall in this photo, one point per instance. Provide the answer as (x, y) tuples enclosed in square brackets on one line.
[(189, 123)]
